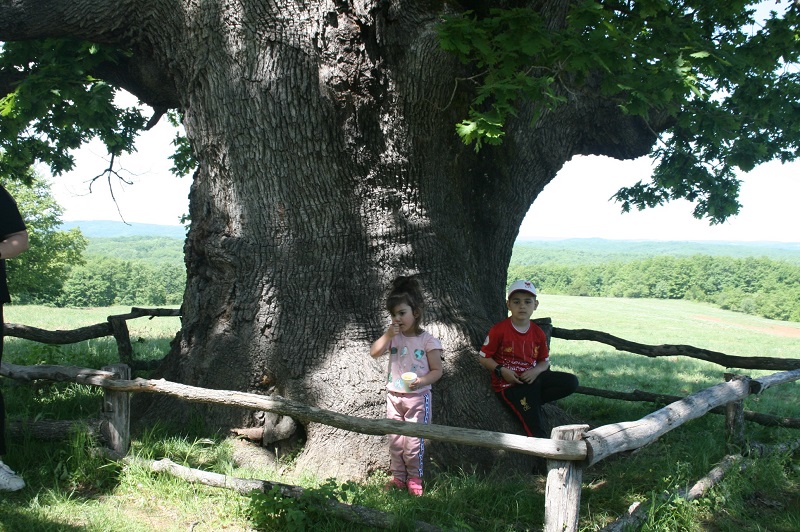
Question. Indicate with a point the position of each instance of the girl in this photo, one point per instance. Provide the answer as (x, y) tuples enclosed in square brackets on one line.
[(411, 350)]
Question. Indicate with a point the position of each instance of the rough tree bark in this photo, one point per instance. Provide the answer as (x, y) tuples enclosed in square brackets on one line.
[(328, 164)]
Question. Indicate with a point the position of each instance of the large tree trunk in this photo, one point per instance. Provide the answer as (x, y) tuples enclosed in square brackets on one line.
[(329, 164)]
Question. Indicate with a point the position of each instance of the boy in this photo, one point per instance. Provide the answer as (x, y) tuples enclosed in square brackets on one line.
[(516, 353)]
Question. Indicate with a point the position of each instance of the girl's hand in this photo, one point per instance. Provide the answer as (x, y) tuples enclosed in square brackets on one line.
[(413, 385), (393, 330)]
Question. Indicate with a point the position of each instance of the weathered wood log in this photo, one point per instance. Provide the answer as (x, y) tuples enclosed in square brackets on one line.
[(90, 332), (119, 329), (117, 413), (768, 420), (762, 383), (546, 448), (632, 519), (617, 437), (57, 337), (563, 491), (356, 514), (138, 312), (49, 372), (654, 351), (54, 430), (734, 420), (713, 478)]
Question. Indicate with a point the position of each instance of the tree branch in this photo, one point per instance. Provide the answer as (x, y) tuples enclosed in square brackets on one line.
[(37, 19)]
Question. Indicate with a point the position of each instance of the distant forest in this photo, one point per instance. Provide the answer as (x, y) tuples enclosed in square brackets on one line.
[(758, 279), (136, 270)]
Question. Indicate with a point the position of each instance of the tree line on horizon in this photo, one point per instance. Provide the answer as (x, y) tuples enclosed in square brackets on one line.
[(753, 285), (63, 268), (139, 273)]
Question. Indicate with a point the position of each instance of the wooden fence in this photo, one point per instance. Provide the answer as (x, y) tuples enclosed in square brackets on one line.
[(569, 450)]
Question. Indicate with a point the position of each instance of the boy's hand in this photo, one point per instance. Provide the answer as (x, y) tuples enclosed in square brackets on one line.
[(510, 376)]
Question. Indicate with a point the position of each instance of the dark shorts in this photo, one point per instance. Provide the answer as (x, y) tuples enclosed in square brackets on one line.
[(526, 400)]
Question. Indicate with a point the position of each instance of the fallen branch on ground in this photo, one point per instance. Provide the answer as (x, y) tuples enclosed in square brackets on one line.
[(637, 512), (352, 513)]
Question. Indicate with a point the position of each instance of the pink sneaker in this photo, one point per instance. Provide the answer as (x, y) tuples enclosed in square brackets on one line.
[(395, 483), (415, 486)]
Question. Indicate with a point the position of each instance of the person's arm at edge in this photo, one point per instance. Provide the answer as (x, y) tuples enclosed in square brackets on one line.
[(14, 245)]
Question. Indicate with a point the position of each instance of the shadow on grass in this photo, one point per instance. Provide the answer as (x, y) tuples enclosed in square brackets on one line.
[(13, 519)]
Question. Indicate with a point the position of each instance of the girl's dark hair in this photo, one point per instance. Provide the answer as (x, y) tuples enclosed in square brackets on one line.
[(406, 289)]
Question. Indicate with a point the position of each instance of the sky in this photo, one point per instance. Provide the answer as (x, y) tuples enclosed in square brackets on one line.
[(574, 205)]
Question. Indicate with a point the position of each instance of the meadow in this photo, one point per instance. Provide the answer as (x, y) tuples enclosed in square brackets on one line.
[(72, 488)]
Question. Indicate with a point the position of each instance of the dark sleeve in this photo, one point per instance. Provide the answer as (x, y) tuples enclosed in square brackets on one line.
[(10, 219)]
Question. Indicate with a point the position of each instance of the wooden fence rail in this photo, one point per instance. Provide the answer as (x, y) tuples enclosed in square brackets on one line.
[(566, 457), (654, 351), (543, 447), (115, 326), (570, 449)]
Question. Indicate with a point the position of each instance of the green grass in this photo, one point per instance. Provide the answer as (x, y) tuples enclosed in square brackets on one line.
[(71, 488)]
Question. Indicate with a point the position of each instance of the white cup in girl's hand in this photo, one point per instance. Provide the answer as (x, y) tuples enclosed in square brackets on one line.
[(408, 377)]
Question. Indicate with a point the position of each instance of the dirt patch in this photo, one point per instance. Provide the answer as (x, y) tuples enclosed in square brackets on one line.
[(775, 330)]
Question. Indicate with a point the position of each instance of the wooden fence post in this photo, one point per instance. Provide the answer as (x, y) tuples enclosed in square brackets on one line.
[(734, 420), (116, 425), (119, 329), (563, 492)]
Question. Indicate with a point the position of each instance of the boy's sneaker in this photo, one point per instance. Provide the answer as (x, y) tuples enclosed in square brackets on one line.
[(9, 481), (415, 486), (395, 483)]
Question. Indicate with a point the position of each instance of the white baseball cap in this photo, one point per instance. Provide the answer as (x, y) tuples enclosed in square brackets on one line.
[(525, 286)]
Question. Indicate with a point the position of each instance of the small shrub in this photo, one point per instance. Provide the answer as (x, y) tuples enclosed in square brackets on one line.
[(275, 511)]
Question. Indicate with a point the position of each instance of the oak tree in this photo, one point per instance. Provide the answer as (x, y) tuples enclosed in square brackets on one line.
[(328, 162)]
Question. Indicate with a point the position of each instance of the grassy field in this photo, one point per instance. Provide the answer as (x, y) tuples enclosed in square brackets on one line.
[(70, 488)]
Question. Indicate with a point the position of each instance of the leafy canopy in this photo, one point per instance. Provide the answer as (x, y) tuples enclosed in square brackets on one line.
[(726, 87), (53, 102), (56, 104)]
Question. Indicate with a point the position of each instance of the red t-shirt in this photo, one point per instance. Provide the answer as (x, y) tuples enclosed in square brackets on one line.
[(515, 350)]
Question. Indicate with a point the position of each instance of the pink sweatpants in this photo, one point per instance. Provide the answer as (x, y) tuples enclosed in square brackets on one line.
[(406, 453)]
